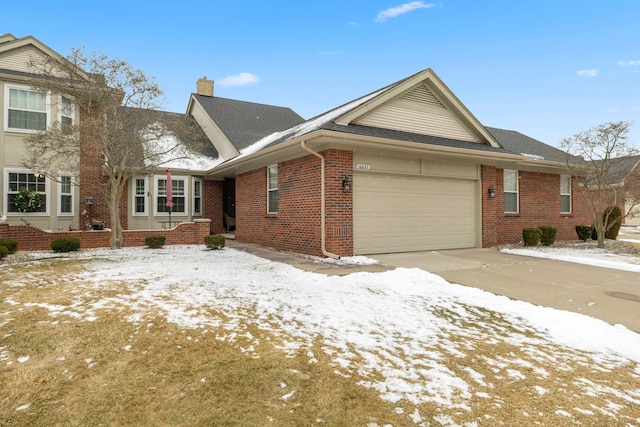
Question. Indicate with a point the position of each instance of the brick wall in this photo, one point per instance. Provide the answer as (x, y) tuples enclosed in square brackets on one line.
[(212, 205), (539, 205), (296, 227), (92, 180), (31, 238)]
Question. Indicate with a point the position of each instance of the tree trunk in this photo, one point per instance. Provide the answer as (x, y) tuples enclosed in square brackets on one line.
[(600, 231), (113, 200)]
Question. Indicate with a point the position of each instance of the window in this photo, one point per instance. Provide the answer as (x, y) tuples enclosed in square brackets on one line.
[(565, 194), (67, 112), (20, 185), (65, 190), (139, 196), (510, 191), (197, 196), (272, 189), (178, 192), (27, 109)]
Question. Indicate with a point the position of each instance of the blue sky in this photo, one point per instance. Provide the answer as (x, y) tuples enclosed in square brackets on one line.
[(546, 68)]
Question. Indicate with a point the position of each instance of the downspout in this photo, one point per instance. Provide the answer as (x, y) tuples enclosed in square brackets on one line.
[(323, 225)]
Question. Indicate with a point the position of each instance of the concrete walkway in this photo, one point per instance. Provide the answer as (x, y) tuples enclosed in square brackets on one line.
[(607, 294)]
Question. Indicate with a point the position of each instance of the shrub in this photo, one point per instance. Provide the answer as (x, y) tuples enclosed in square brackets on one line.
[(216, 241), (65, 244), (3, 251), (613, 217), (154, 242), (531, 236), (10, 244), (548, 235), (584, 232)]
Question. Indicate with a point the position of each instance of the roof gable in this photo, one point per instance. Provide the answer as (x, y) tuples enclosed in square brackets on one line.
[(15, 54), (420, 104)]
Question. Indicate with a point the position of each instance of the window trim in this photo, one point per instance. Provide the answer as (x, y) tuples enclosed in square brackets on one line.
[(5, 194), (7, 97), (516, 192), (186, 197), (194, 197), (61, 108), (569, 195), (271, 191), (144, 194), (70, 193)]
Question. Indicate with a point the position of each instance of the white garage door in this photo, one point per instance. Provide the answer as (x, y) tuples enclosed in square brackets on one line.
[(403, 214)]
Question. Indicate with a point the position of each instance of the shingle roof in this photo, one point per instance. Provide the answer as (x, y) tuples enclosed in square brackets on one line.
[(247, 122), (518, 143), (620, 168)]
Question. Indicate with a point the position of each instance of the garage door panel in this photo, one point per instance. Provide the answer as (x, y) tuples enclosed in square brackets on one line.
[(401, 214)]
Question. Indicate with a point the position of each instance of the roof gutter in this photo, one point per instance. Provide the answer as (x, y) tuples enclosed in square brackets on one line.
[(323, 225)]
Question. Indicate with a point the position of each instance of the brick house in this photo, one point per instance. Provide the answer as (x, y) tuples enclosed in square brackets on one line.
[(405, 168)]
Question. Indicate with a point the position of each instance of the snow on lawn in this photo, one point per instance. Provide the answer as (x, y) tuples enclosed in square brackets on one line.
[(399, 330)]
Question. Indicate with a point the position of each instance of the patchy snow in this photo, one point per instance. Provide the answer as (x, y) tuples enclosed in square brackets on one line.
[(532, 156), (399, 330), (594, 257), (308, 126), (164, 151)]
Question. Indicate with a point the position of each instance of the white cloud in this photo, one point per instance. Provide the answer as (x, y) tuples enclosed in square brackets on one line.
[(239, 80), (629, 63), (587, 74), (393, 12)]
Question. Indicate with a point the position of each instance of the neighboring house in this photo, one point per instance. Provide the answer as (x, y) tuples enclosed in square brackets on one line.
[(405, 168), (624, 178), (25, 111)]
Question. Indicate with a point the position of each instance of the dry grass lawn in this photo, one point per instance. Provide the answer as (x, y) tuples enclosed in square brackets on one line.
[(110, 370)]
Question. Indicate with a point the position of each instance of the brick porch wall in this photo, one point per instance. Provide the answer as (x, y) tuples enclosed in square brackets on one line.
[(296, 227), (212, 205), (539, 206), (31, 238)]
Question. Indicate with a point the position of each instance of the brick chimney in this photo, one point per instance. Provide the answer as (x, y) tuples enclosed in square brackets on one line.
[(204, 87)]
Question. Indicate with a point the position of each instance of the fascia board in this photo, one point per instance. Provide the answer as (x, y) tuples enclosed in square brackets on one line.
[(32, 41), (219, 140)]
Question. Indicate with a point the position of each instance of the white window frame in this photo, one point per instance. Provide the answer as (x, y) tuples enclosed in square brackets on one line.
[(564, 187), (70, 194), (510, 191), (7, 97), (186, 197), (134, 195), (272, 190), (61, 109), (197, 197), (5, 194)]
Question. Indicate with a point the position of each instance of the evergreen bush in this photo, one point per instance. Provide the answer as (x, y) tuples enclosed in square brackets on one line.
[(154, 242), (613, 217), (65, 244), (531, 236), (216, 241), (548, 235), (10, 244), (3, 251), (584, 232)]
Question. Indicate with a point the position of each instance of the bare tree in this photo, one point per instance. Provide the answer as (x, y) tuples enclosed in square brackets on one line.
[(121, 131), (605, 152)]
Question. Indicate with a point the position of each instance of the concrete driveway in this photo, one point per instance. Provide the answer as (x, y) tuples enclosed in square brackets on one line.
[(607, 294)]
